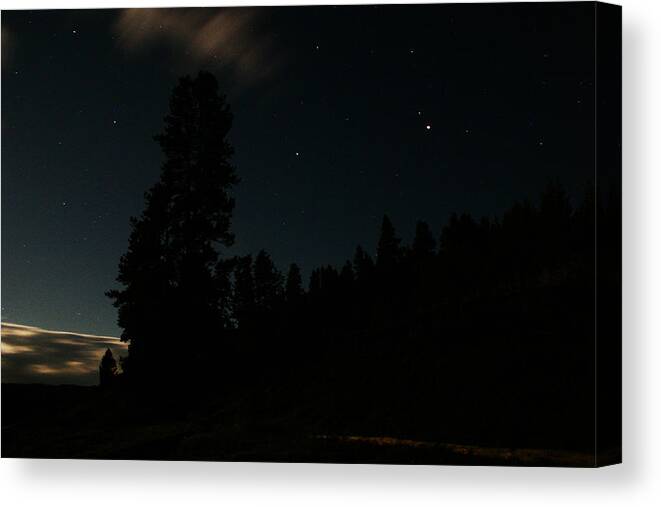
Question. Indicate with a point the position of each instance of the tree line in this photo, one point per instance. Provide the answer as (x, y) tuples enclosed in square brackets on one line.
[(489, 314)]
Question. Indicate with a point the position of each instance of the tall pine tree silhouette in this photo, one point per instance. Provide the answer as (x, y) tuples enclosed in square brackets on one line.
[(388, 250), (170, 293)]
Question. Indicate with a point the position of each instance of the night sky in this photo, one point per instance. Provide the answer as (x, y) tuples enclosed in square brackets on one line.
[(341, 115)]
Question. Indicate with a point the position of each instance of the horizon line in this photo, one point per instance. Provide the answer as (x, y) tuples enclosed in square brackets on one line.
[(38, 329)]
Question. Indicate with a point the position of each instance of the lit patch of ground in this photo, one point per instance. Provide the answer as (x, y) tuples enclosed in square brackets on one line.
[(519, 456)]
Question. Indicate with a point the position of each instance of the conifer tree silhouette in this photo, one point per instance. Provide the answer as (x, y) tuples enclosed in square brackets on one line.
[(388, 251), (347, 277), (169, 290), (363, 265), (107, 369), (294, 285), (243, 301), (424, 244), (268, 283)]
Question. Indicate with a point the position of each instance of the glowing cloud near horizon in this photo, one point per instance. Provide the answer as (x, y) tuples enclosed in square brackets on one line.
[(35, 355)]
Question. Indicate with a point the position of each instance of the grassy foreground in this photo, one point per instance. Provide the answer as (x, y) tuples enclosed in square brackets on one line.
[(40, 421)]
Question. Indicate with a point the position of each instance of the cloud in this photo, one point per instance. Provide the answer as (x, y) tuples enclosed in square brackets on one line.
[(8, 43), (226, 38), (31, 354)]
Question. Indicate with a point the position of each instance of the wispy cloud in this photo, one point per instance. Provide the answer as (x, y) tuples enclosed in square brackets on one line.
[(8, 42), (33, 354), (227, 38)]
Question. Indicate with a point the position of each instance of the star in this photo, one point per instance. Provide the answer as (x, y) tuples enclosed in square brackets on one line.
[(428, 127), (297, 154)]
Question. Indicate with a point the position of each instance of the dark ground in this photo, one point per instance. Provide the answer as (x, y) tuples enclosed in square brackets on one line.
[(40, 421)]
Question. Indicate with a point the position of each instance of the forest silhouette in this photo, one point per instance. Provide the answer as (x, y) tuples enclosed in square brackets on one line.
[(482, 330)]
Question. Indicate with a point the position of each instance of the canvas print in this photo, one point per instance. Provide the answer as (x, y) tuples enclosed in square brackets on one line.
[(383, 234)]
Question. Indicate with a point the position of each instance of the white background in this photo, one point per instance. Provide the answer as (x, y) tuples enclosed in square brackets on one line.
[(636, 482)]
